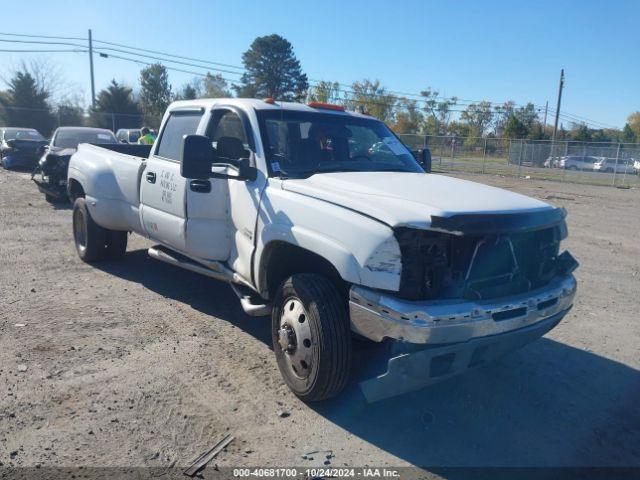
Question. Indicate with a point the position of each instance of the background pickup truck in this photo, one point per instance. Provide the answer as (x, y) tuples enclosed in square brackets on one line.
[(324, 219)]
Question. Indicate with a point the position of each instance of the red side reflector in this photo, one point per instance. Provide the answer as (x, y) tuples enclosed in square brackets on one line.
[(328, 106), (269, 100)]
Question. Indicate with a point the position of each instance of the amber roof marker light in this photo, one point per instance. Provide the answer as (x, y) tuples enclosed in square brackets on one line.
[(328, 106), (270, 101)]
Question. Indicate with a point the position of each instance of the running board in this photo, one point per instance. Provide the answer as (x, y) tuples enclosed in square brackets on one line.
[(251, 302), (173, 258)]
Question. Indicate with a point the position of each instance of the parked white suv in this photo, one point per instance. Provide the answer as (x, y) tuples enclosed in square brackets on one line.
[(619, 165), (323, 219), (578, 162)]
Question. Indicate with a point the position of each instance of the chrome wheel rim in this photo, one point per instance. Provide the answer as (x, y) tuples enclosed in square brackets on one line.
[(79, 229), (294, 338)]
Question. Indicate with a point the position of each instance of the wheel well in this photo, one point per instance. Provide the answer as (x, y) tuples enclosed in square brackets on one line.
[(74, 189), (280, 260)]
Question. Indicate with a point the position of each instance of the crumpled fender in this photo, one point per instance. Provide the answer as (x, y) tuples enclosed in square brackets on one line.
[(363, 250)]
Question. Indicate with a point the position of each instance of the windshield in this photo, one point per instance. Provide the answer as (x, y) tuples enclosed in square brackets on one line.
[(13, 134), (71, 138), (300, 144)]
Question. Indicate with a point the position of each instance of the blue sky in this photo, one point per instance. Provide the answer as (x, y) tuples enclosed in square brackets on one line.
[(493, 50)]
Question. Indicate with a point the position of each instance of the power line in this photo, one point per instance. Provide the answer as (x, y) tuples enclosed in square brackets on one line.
[(40, 36), (76, 50), (141, 62), (40, 42), (99, 49), (169, 54), (419, 98)]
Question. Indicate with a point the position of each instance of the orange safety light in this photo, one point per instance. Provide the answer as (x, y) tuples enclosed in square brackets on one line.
[(270, 100), (328, 106)]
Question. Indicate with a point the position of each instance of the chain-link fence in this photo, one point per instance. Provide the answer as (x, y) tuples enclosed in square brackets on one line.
[(47, 120), (595, 163)]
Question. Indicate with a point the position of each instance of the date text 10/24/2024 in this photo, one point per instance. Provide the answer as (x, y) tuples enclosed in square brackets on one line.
[(317, 472)]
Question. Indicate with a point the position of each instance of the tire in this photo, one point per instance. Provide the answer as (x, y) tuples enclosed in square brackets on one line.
[(89, 237), (311, 337), (116, 244)]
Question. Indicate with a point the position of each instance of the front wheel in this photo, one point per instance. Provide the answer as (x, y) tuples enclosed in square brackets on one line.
[(311, 336)]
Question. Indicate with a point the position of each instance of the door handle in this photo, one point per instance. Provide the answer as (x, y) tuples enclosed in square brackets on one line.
[(200, 186), (151, 177)]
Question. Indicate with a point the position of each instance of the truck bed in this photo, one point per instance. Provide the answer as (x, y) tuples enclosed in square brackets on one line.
[(110, 175)]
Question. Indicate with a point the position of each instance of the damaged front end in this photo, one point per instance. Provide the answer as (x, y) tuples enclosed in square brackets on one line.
[(51, 175), (472, 288)]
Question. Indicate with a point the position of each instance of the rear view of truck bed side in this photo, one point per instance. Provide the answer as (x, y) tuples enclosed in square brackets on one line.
[(112, 175)]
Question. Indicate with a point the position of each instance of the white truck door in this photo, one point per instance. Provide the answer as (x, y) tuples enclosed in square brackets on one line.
[(211, 231), (163, 190)]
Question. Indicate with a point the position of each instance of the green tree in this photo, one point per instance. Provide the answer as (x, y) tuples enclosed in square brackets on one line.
[(580, 132), (537, 132), (69, 115), (501, 116), (372, 98), (459, 129), (188, 92), (408, 118), (438, 111), (515, 128), (214, 86), (4, 101), (115, 108), (628, 135), (209, 86), (155, 93), (633, 121), (527, 115), (272, 70), (25, 104), (478, 116), (327, 92)]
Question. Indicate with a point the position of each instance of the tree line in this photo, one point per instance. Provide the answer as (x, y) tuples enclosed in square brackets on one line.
[(271, 69)]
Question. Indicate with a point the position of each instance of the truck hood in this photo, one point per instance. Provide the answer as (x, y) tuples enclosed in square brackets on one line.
[(412, 199)]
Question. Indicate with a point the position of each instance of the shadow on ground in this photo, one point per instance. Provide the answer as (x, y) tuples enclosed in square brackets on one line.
[(547, 404), (204, 294)]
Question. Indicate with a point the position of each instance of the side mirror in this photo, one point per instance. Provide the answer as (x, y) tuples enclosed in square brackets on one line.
[(196, 157), (426, 159)]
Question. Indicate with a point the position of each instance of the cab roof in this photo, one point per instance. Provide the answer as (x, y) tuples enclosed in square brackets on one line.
[(258, 104)]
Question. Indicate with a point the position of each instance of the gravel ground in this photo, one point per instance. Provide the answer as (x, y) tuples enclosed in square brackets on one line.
[(139, 364)]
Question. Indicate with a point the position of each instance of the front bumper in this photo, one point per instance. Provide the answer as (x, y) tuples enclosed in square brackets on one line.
[(376, 315), (447, 338), (14, 160), (411, 371), (58, 190)]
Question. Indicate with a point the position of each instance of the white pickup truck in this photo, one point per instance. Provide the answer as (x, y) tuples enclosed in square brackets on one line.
[(323, 219)]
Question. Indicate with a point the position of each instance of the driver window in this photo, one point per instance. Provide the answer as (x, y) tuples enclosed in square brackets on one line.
[(229, 137)]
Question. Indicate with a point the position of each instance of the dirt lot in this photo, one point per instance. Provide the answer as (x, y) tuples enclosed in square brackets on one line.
[(137, 363)]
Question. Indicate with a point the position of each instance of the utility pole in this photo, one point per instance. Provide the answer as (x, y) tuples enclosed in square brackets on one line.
[(93, 85), (546, 108), (560, 87)]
